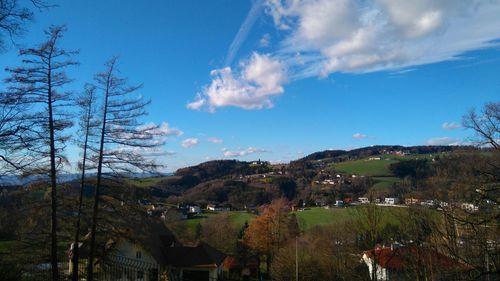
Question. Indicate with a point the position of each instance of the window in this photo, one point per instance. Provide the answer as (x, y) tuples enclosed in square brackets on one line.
[(140, 274), (138, 255), (153, 274)]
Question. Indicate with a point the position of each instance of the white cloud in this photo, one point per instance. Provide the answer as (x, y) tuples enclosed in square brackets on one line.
[(322, 37), (190, 142), (364, 36), (242, 152), (260, 78), (143, 151), (443, 141), (215, 140), (450, 125), (197, 104), (163, 129), (359, 136), (265, 40)]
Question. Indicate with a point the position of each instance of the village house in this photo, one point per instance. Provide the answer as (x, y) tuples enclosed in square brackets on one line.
[(146, 254), (412, 201), (391, 200), (320, 202), (364, 200), (469, 207), (409, 262), (173, 214), (427, 203), (194, 210), (218, 208)]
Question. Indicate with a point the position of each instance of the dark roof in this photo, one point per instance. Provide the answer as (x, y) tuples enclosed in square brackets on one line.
[(203, 255), (150, 233), (159, 241), (155, 237)]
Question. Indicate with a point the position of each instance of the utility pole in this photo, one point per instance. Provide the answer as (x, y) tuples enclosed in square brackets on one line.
[(296, 259)]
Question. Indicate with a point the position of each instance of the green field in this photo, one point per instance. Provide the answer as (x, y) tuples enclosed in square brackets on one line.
[(147, 182), (310, 218), (383, 184), (186, 229), (375, 168), (307, 219), (7, 246), (366, 167)]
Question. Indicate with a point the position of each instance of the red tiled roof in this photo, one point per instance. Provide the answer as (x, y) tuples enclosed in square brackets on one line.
[(401, 257)]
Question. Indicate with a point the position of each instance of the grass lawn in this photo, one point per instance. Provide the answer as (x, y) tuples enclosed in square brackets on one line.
[(186, 229), (148, 182), (240, 217), (310, 218), (382, 184), (375, 168), (366, 167), (7, 246)]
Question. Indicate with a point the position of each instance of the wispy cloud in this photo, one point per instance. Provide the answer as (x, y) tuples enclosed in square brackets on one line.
[(366, 36), (242, 152), (190, 142), (359, 136), (245, 28), (450, 125), (265, 40), (215, 140), (443, 141), (324, 37)]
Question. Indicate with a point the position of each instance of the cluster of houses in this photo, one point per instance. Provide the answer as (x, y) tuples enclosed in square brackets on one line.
[(334, 180), (394, 201), (180, 212)]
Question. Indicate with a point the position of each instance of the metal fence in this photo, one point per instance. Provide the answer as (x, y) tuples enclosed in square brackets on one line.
[(112, 268), (118, 268)]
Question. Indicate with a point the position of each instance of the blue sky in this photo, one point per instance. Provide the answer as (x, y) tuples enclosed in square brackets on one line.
[(277, 80)]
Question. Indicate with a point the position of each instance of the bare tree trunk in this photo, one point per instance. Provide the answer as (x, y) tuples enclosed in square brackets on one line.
[(37, 83), (75, 257), (95, 209), (53, 182), (120, 131)]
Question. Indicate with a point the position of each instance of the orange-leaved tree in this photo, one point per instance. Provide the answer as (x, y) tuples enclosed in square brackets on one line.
[(271, 229)]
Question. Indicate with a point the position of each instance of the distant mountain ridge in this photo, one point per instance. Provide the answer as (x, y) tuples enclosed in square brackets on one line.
[(380, 149), (215, 169), (12, 180)]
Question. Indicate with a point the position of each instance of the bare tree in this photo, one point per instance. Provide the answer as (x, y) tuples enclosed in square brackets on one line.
[(88, 125), (11, 130), (39, 85), (368, 225), (486, 124), (124, 142), (14, 16)]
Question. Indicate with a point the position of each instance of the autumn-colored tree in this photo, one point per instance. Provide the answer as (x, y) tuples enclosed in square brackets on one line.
[(323, 253), (270, 231), (219, 232)]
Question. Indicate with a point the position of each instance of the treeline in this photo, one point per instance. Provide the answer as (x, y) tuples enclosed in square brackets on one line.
[(222, 168), (344, 155)]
